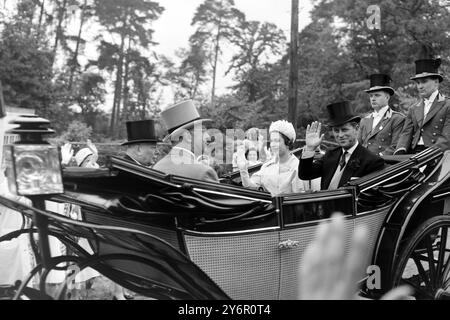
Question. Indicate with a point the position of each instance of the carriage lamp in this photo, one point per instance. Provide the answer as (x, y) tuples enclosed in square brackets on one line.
[(33, 165), (33, 169)]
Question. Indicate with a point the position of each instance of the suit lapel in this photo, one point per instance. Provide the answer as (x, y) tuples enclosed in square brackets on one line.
[(435, 107), (381, 124), (329, 167), (349, 170), (366, 127), (418, 112)]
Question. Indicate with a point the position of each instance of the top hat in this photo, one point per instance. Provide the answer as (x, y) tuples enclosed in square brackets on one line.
[(182, 115), (340, 113), (379, 82), (428, 68), (141, 131)]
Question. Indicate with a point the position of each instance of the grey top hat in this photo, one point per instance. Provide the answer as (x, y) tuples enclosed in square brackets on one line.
[(179, 116)]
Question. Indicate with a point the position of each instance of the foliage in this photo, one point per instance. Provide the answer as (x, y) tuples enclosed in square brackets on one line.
[(76, 131), (187, 77), (254, 41), (215, 21), (25, 67), (127, 20), (43, 61)]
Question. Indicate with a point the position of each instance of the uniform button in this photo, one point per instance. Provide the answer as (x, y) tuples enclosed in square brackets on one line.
[(441, 120), (389, 134), (379, 147), (434, 133), (433, 141), (421, 130), (382, 139), (370, 143), (436, 127)]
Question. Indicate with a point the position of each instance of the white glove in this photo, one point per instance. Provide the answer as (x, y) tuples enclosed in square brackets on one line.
[(66, 153), (240, 159)]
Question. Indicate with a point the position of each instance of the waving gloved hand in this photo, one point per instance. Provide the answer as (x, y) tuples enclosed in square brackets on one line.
[(240, 159), (66, 153)]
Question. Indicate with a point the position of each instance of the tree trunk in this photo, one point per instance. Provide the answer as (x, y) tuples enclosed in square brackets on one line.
[(125, 108), (41, 15), (77, 46), (117, 89), (216, 56), (293, 70), (61, 15)]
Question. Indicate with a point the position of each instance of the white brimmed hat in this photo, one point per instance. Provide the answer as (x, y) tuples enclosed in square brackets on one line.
[(284, 127), (179, 116), (82, 154)]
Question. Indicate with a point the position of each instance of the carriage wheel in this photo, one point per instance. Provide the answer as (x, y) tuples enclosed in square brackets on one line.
[(424, 263)]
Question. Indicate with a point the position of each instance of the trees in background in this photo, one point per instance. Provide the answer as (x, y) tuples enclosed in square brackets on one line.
[(127, 22), (25, 63), (45, 64), (256, 42), (215, 21)]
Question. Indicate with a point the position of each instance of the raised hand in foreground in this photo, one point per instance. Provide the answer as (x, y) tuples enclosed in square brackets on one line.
[(329, 274)]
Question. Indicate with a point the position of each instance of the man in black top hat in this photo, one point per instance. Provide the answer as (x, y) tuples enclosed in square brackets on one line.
[(141, 142), (428, 121), (380, 130), (348, 160)]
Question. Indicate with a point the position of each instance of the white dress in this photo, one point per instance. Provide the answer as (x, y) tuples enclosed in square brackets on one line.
[(277, 178), (16, 256)]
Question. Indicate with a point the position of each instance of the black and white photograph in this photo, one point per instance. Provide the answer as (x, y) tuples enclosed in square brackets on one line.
[(245, 151)]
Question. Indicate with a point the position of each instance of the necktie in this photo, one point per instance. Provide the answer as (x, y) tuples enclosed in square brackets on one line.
[(342, 161)]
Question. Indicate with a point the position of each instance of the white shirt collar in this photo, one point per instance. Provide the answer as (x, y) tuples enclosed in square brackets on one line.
[(350, 151), (380, 112), (432, 97)]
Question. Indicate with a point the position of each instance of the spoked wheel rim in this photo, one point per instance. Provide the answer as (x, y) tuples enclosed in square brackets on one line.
[(424, 263)]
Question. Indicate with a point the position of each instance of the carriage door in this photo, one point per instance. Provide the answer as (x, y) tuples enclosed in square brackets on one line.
[(301, 215)]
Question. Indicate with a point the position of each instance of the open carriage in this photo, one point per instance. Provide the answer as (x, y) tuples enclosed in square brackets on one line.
[(169, 237)]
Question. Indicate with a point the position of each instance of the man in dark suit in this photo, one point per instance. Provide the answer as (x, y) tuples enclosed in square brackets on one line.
[(187, 132), (141, 142), (380, 130), (339, 165), (428, 121)]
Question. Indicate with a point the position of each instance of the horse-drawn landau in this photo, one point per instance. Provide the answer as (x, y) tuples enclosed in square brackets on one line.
[(167, 237)]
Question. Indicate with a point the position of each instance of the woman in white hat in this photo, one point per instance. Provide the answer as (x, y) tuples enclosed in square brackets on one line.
[(279, 174)]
